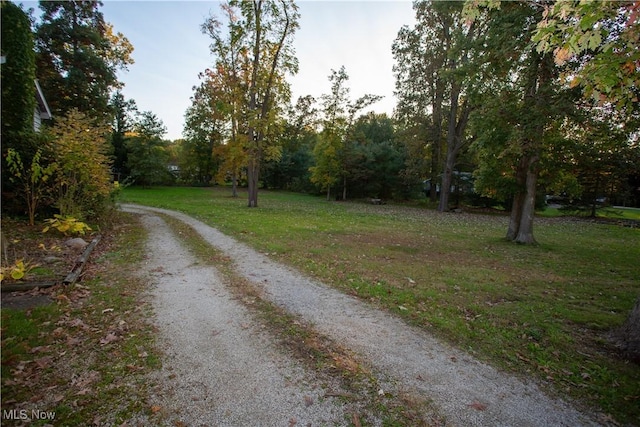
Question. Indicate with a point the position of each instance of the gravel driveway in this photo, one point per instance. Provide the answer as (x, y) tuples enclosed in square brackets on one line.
[(223, 369)]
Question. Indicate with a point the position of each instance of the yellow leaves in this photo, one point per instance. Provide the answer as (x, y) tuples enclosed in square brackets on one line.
[(66, 224), (17, 271)]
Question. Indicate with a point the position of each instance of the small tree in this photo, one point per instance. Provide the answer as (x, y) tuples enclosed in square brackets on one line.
[(80, 148), (32, 181)]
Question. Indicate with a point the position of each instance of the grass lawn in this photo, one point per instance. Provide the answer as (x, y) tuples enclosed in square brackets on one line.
[(544, 312), (609, 212)]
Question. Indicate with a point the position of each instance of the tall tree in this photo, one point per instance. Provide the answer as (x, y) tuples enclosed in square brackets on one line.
[(291, 170), (205, 128), (420, 90), (435, 77), (122, 123), (18, 90), (254, 60), (377, 160), (148, 155), (78, 55), (334, 148), (18, 71)]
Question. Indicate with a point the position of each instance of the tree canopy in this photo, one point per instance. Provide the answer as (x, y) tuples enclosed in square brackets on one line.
[(78, 56)]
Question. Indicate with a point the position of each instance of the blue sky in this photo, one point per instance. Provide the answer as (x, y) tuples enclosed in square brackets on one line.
[(170, 50)]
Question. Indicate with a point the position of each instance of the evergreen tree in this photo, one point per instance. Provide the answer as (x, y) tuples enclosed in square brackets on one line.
[(78, 55), (148, 155)]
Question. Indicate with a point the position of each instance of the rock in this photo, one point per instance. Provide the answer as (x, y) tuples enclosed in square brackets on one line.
[(52, 259), (76, 243)]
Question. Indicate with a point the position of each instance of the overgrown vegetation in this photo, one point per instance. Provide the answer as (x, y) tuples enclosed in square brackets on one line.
[(543, 312)]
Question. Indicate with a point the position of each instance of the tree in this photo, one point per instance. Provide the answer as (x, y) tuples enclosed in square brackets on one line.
[(147, 151), (205, 128), (18, 73), (80, 149), (377, 160), (603, 38), (536, 104), (435, 72), (78, 56), (253, 61), (420, 91), (291, 170), (122, 111), (333, 152), (18, 90)]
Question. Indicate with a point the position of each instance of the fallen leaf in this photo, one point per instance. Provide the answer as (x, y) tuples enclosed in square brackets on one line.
[(107, 310), (156, 408), (356, 420), (44, 362), (308, 401), (478, 406), (109, 339)]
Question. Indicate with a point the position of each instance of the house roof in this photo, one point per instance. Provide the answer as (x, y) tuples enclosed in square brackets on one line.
[(45, 112)]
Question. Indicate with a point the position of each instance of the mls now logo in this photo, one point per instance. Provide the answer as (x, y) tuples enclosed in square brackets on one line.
[(23, 414)]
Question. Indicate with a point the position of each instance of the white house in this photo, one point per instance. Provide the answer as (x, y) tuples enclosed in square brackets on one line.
[(42, 111)]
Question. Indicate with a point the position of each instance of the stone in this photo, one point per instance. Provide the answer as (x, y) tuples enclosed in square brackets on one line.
[(76, 243)]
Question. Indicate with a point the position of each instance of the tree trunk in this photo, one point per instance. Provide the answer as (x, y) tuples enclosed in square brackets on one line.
[(445, 188), (518, 199), (253, 171), (344, 188), (234, 185), (525, 229), (436, 137), (455, 142), (328, 193)]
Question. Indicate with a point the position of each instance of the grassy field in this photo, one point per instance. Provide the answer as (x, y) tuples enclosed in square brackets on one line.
[(544, 312)]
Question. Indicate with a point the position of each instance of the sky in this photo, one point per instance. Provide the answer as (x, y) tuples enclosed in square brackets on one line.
[(170, 50)]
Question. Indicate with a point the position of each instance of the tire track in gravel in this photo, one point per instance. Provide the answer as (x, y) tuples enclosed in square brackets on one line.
[(220, 367), (465, 391)]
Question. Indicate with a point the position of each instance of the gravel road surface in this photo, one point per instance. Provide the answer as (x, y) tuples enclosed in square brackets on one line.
[(223, 369)]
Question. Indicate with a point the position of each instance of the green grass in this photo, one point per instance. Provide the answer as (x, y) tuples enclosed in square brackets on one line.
[(539, 311), (607, 212)]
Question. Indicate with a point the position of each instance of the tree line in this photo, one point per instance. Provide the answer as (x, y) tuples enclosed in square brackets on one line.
[(95, 136), (514, 100)]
